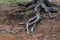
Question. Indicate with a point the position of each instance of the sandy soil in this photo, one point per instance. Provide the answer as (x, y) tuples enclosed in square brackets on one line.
[(47, 29)]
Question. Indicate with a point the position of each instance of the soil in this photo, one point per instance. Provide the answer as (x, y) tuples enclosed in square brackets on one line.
[(47, 29)]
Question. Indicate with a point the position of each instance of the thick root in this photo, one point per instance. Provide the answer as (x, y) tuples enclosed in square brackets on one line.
[(46, 10)]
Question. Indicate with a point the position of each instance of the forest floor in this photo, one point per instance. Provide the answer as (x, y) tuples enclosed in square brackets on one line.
[(48, 29)]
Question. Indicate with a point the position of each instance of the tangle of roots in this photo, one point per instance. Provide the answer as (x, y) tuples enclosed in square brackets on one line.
[(45, 5)]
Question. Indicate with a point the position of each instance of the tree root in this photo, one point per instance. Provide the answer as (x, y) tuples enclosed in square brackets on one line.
[(46, 5)]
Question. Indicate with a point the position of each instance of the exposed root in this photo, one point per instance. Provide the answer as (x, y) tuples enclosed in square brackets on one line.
[(46, 5), (46, 10), (55, 4), (32, 29), (3, 30)]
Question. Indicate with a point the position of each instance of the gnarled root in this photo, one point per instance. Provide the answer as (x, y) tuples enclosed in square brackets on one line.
[(46, 5)]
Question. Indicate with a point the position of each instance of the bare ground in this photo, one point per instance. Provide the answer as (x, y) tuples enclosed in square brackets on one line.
[(46, 30)]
